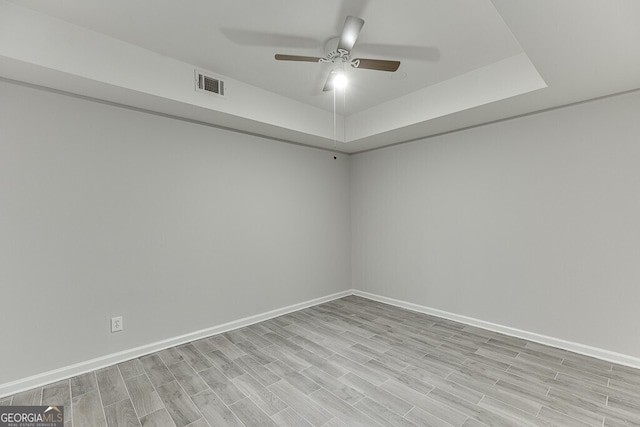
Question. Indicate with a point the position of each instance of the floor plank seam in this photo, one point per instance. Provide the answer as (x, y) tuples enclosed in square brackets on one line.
[(104, 415)]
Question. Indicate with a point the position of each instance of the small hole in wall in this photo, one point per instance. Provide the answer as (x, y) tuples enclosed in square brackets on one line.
[(334, 157)]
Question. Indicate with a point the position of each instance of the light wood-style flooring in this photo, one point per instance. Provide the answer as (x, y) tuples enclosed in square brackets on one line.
[(351, 362)]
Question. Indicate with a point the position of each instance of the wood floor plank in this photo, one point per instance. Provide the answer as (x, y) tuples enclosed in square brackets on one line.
[(214, 410), (87, 410), (259, 328), (252, 350), (273, 326), (509, 397), (83, 384), (188, 379), (121, 414), (473, 423), (452, 387), (250, 414), (131, 368), (474, 411), (290, 418), (255, 339), (351, 415), (28, 398), (144, 397), (363, 339), (333, 385), (199, 423), (582, 362), (381, 357), (383, 415), (156, 370), (194, 358), (311, 346), (425, 402), (337, 369), (511, 413), (283, 343), (265, 399), (349, 353), (180, 407), (299, 331), (348, 366), (621, 386), (558, 419), (571, 406), (301, 403), (224, 364), (420, 417), (435, 368), (159, 418), (227, 347), (292, 360), (627, 370), (591, 398), (264, 375), (111, 385), (631, 406), (221, 385), (58, 394), (204, 346), (281, 321), (170, 356), (296, 379), (381, 396)]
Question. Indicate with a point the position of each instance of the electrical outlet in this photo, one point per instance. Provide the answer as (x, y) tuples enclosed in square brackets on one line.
[(116, 324)]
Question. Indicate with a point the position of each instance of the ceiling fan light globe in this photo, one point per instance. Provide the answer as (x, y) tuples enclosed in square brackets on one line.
[(340, 81)]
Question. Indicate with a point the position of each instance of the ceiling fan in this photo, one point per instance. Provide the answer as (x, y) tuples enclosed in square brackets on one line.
[(342, 54)]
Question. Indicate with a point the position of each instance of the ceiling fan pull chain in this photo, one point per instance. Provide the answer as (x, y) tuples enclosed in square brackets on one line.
[(335, 143), (344, 112)]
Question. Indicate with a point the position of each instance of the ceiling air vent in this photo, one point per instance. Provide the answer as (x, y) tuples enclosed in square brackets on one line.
[(208, 83)]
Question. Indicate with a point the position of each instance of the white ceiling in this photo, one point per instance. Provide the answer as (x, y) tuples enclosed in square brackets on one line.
[(463, 62)]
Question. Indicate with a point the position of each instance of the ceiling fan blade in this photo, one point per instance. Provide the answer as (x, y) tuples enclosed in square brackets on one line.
[(376, 64), (335, 80), (281, 57), (419, 53), (352, 8), (259, 38), (350, 32), (328, 85)]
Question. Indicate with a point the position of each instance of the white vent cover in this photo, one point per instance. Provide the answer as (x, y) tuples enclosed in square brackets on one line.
[(208, 83)]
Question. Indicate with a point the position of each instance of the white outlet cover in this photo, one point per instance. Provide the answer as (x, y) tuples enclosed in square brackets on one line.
[(116, 324)]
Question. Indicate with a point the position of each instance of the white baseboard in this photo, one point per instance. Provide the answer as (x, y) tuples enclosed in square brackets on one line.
[(49, 377), (586, 350)]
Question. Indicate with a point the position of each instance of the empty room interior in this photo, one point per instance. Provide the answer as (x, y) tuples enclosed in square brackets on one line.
[(336, 213)]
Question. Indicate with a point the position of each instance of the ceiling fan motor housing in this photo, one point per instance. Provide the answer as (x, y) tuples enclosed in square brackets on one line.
[(342, 55)]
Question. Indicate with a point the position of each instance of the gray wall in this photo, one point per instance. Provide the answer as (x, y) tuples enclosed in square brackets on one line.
[(532, 223), (176, 226)]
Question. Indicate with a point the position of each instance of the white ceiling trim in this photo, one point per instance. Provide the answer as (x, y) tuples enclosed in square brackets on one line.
[(501, 80)]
